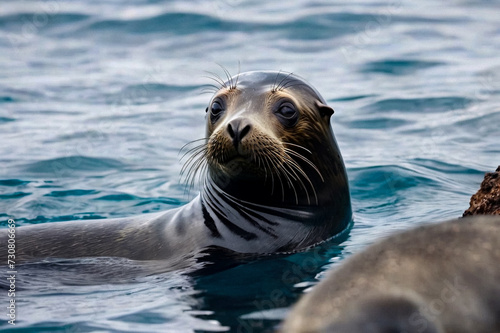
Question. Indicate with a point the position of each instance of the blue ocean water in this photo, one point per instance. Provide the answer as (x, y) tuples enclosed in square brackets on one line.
[(98, 97)]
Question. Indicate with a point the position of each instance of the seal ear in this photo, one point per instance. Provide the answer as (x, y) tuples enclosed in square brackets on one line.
[(324, 110)]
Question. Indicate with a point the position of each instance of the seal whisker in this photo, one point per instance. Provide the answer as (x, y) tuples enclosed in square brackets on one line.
[(270, 171), (305, 159), (189, 168), (298, 146), (215, 77), (303, 173), (296, 166), (238, 75), (223, 84), (277, 172), (257, 159), (192, 161), (193, 171), (191, 150), (287, 176), (273, 87), (283, 82), (290, 84), (265, 164), (209, 88), (203, 172), (194, 150), (262, 165), (228, 76), (211, 85), (190, 143), (291, 164), (267, 172), (207, 91)]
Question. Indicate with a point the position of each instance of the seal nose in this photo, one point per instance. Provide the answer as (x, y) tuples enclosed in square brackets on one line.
[(238, 128)]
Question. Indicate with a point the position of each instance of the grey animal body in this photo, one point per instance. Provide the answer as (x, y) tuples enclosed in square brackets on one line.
[(442, 278)]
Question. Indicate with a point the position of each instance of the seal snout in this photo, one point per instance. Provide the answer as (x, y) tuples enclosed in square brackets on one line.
[(238, 128)]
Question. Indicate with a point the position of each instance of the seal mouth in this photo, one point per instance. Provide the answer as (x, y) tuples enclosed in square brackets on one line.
[(238, 159), (263, 160), (239, 155), (238, 162)]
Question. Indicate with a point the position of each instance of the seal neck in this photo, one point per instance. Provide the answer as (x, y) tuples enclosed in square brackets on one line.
[(285, 228), (217, 198)]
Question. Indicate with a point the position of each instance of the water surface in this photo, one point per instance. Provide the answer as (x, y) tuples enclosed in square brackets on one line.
[(97, 98)]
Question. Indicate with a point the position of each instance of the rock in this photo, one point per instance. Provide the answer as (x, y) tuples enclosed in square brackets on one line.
[(487, 199)]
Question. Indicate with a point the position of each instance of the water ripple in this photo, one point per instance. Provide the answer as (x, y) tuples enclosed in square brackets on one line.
[(385, 180), (425, 105), (14, 195), (398, 66), (13, 182), (71, 193), (66, 166), (377, 123), (179, 23), (17, 21)]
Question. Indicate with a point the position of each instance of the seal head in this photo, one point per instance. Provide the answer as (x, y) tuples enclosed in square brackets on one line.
[(272, 130)]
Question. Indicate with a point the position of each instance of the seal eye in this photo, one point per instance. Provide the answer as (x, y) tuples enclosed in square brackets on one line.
[(216, 110), (287, 110), (287, 114)]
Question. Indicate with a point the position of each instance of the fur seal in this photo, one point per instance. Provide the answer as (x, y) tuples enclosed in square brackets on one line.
[(274, 181), (434, 279)]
